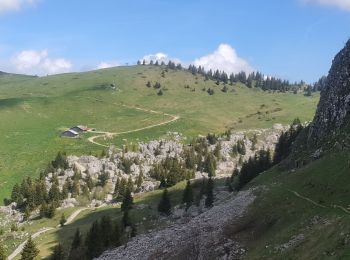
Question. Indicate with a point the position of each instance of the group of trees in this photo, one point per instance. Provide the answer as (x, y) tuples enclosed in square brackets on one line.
[(188, 198), (171, 171), (156, 85), (253, 167), (254, 79), (284, 145), (170, 64), (102, 235), (263, 159)]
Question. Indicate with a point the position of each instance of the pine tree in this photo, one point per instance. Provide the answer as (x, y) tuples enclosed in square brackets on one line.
[(76, 240), (127, 201), (51, 210), (106, 229), (63, 220), (54, 193), (164, 206), (116, 236), (116, 188), (30, 251), (130, 184), (43, 210), (26, 214), (2, 253), (16, 194), (93, 241), (89, 182), (58, 253), (122, 188), (139, 181), (210, 193), (187, 198), (126, 219)]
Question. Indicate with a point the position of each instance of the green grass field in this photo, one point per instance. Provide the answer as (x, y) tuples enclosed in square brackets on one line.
[(34, 111), (146, 218), (278, 214)]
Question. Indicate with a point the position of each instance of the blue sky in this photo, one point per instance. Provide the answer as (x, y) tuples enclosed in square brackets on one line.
[(293, 39)]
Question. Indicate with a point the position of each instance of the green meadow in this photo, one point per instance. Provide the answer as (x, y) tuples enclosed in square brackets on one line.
[(34, 111)]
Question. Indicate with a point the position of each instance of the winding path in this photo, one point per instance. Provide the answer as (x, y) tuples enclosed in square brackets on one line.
[(335, 206), (19, 249), (307, 199), (70, 219), (110, 134)]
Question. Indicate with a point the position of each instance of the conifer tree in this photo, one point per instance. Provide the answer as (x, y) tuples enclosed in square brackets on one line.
[(106, 230), (16, 194), (51, 210), (116, 235), (54, 193), (127, 201), (164, 206), (209, 193), (93, 241), (2, 253), (30, 251), (76, 240), (126, 219), (187, 198), (122, 188), (116, 188), (58, 253), (89, 182), (63, 220), (139, 180), (130, 184)]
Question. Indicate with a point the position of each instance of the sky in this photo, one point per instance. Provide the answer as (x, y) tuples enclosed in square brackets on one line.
[(290, 39)]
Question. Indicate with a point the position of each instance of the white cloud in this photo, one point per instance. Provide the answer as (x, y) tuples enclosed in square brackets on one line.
[(39, 62), (342, 4), (14, 5), (105, 65), (160, 56), (225, 59), (155, 57)]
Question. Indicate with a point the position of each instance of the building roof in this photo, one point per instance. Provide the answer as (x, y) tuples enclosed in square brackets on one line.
[(71, 131), (81, 127)]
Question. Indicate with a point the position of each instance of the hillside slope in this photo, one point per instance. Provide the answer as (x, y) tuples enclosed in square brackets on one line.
[(298, 213), (35, 111), (304, 213)]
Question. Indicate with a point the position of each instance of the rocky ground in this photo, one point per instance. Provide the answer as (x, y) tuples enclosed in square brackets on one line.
[(200, 237), (153, 152)]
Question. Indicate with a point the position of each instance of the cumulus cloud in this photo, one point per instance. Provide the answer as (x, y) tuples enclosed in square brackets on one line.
[(342, 4), (39, 62), (105, 65), (160, 57), (14, 5), (225, 59)]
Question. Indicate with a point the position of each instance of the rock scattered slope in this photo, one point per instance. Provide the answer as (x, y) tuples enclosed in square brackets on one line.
[(334, 106), (203, 237)]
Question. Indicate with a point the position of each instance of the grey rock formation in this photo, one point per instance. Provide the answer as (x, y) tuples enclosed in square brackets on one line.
[(202, 237), (334, 106)]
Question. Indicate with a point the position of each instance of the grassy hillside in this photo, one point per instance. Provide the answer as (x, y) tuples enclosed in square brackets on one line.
[(34, 111), (301, 214)]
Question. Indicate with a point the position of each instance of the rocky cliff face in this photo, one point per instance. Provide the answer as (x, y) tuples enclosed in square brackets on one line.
[(334, 107)]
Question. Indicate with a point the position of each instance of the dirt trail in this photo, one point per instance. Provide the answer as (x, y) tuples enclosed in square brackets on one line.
[(110, 134), (318, 204), (19, 249), (70, 219), (307, 199)]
